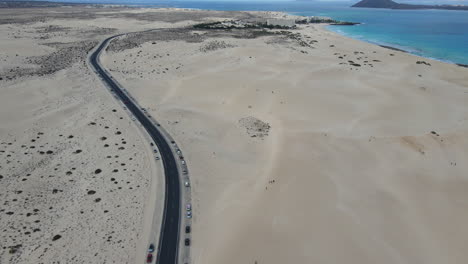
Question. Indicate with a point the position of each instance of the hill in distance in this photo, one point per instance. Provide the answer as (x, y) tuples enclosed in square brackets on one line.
[(394, 5)]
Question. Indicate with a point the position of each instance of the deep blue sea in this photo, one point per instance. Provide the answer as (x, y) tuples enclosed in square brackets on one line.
[(438, 34)]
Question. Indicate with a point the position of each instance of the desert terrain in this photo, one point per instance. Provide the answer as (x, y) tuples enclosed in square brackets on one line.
[(79, 183), (303, 146), (307, 146)]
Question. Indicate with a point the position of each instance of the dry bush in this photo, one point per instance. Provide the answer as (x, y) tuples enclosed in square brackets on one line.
[(215, 45)]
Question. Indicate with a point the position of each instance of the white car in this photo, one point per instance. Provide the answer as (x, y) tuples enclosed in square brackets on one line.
[(187, 184), (183, 162), (189, 214), (188, 207)]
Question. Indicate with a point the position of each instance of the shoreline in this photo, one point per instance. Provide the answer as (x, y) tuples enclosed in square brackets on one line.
[(390, 47), (374, 112), (288, 14)]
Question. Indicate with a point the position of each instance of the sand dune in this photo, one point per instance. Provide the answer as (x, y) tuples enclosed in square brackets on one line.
[(361, 164)]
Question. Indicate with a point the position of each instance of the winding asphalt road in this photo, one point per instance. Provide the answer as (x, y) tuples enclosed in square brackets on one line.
[(169, 237)]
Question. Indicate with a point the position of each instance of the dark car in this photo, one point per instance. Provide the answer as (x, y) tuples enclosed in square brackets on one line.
[(149, 258), (187, 241), (151, 248), (187, 229)]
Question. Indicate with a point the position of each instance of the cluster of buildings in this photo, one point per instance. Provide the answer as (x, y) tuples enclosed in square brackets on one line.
[(291, 22)]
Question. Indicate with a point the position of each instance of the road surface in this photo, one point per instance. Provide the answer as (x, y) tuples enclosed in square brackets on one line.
[(167, 250)]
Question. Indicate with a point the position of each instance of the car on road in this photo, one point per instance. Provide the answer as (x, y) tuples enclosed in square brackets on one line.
[(187, 184), (149, 258), (151, 248), (188, 207), (178, 151), (133, 119), (157, 158), (183, 162), (155, 150), (187, 241), (189, 214), (184, 172), (187, 229)]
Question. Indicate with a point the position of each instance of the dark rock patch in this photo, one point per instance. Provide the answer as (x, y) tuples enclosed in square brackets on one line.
[(423, 62)]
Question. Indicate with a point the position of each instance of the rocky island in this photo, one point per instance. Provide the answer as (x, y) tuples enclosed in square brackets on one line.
[(394, 5)]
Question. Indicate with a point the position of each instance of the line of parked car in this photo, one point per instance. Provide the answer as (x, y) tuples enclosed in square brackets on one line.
[(188, 206), (149, 257)]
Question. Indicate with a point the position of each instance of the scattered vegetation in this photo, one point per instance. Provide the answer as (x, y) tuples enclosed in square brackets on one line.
[(215, 45), (256, 128), (423, 62)]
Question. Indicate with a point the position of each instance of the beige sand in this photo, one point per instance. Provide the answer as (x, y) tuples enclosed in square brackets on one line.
[(349, 171), (56, 207), (78, 180), (294, 157)]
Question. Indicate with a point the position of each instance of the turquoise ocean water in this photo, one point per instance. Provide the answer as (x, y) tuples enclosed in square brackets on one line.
[(437, 34)]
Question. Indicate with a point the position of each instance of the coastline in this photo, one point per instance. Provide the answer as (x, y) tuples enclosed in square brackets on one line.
[(284, 127), (393, 47)]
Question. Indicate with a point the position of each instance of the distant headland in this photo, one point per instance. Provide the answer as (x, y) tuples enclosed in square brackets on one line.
[(394, 5)]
